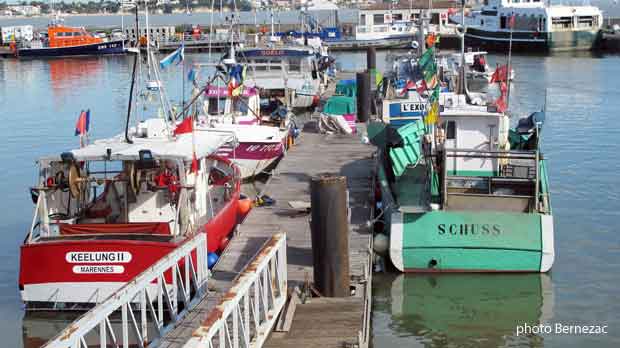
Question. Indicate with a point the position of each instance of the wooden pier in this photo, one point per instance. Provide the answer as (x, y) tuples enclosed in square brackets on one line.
[(319, 321)]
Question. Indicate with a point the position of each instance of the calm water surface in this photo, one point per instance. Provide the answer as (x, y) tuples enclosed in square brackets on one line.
[(40, 101)]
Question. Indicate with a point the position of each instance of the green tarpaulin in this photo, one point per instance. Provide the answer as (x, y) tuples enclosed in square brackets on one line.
[(340, 105), (347, 88)]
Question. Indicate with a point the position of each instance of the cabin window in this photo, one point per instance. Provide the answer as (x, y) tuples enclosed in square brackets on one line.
[(585, 22), (562, 22), (294, 65), (502, 22), (241, 105), (489, 13), (378, 19), (216, 108), (435, 18), (275, 65), (362, 19), (451, 130), (397, 17)]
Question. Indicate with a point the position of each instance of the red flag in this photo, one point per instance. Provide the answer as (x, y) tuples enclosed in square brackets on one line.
[(452, 11), (187, 126), (511, 22), (194, 163), (500, 74), (421, 87), (501, 101), (409, 85), (83, 123)]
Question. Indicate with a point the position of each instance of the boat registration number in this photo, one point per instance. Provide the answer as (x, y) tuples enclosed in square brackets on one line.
[(412, 107)]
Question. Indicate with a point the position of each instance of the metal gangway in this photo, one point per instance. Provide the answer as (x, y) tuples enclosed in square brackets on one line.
[(152, 304)]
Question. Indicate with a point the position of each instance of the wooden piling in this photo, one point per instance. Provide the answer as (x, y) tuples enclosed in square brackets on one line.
[(330, 235), (363, 96)]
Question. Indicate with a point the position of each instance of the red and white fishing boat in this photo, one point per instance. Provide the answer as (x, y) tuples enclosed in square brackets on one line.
[(263, 134), (107, 211)]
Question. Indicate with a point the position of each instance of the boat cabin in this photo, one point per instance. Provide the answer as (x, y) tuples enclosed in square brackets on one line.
[(63, 36), (480, 168), (150, 187)]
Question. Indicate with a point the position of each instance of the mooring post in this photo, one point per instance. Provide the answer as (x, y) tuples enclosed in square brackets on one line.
[(363, 96), (330, 235), (371, 65)]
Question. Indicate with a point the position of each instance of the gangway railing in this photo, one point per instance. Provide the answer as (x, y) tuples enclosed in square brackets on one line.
[(249, 310), (160, 296)]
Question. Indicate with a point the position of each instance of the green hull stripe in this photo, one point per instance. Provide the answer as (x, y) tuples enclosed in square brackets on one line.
[(472, 240), (469, 248)]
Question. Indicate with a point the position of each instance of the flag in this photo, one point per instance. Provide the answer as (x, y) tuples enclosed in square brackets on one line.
[(511, 22), (430, 40), (501, 103), (186, 126), (409, 85), (191, 75), (421, 86), (500, 74), (426, 58), (432, 117), (452, 11), (435, 95), (430, 80), (194, 161), (83, 123), (177, 55)]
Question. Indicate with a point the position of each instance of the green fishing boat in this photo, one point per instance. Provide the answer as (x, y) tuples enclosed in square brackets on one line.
[(467, 194)]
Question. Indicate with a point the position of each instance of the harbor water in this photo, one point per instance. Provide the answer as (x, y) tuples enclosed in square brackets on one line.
[(41, 99)]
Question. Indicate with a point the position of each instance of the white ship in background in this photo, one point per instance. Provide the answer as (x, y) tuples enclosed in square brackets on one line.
[(537, 26)]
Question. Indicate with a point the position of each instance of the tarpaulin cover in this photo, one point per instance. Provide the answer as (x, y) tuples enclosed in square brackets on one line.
[(161, 228), (347, 88), (340, 105)]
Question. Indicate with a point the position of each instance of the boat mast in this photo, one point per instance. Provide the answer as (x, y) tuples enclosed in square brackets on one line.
[(509, 67), (133, 80), (461, 85)]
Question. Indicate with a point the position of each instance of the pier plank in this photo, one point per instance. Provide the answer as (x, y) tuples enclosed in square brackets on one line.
[(313, 322)]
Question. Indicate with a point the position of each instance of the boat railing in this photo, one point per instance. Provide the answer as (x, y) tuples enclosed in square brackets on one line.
[(159, 297), (509, 183), (39, 221), (249, 310), (215, 38)]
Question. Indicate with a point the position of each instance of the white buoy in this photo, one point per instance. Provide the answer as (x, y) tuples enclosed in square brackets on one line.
[(381, 243)]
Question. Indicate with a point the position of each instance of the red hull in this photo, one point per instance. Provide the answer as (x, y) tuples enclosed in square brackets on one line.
[(83, 268)]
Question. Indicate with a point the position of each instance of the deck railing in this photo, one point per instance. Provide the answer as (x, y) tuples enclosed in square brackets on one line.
[(248, 311), (156, 295)]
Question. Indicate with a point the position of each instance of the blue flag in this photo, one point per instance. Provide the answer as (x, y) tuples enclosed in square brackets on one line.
[(177, 55), (191, 75)]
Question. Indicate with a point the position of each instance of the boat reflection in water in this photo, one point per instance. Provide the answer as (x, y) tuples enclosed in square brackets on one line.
[(460, 310), (40, 327), (65, 72)]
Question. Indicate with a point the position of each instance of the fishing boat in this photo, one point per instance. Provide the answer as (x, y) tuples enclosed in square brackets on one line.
[(63, 40), (107, 211), (458, 190), (263, 132), (293, 72), (469, 195), (534, 26)]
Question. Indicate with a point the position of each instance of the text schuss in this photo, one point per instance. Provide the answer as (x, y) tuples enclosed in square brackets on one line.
[(469, 229), (562, 329), (98, 257)]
